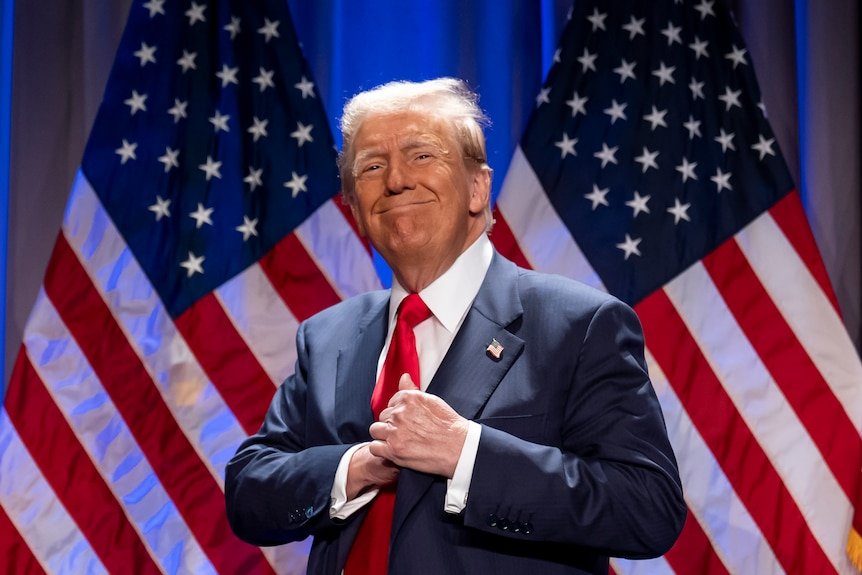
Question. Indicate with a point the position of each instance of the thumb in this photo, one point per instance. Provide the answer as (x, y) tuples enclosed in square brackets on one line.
[(406, 383)]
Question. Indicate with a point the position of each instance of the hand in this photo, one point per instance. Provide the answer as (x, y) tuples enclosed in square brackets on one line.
[(367, 471), (419, 431)]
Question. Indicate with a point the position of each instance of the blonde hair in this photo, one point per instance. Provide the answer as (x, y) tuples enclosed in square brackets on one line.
[(447, 99)]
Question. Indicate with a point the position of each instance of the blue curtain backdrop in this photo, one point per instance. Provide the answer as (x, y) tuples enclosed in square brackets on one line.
[(805, 52)]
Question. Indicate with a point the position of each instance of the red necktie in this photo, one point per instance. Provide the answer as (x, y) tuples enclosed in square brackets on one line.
[(369, 554)]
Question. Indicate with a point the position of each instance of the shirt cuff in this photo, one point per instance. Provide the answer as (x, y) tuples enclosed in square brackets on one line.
[(339, 506), (458, 487)]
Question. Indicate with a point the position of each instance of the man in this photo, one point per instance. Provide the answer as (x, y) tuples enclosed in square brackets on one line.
[(534, 442)]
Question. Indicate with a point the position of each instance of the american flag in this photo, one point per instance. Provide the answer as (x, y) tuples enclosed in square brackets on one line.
[(201, 229), (649, 170)]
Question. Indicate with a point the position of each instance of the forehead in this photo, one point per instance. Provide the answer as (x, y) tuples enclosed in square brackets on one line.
[(403, 128)]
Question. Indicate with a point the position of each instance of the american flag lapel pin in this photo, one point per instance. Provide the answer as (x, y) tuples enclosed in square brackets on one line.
[(495, 349)]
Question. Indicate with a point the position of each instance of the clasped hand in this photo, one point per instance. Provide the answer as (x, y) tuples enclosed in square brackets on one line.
[(417, 431)]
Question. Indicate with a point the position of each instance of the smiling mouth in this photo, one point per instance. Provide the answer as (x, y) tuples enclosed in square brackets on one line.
[(403, 206)]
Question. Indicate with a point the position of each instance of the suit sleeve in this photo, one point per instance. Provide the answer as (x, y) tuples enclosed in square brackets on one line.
[(277, 488), (612, 484)]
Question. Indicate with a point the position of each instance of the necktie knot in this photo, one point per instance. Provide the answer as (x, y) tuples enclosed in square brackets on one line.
[(412, 311)]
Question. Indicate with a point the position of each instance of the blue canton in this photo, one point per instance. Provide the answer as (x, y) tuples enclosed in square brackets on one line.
[(211, 144), (650, 138)]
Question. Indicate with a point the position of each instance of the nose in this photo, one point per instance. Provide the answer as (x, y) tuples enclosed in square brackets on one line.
[(399, 177)]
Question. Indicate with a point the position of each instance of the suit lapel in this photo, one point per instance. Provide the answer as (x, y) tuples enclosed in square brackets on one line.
[(355, 375), (469, 374)]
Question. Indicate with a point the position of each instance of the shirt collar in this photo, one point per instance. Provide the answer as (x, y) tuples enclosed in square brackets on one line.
[(449, 296)]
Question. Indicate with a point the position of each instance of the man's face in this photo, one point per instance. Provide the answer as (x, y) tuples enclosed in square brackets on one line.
[(417, 199)]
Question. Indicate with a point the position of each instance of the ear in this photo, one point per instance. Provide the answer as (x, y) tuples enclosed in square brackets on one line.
[(480, 190)]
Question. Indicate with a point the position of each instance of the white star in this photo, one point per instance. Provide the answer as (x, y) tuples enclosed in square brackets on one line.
[(170, 159), (566, 146), (254, 178), (639, 204), (155, 7), (264, 79), (146, 54), (557, 53), (196, 13), (211, 168), (269, 30), (664, 74), (647, 160), (737, 56), (588, 61), (201, 216), (696, 89), (607, 154), (762, 107), (626, 70), (542, 96), (258, 130), (597, 19), (577, 104), (296, 184), (693, 127), (705, 8), (679, 211), (193, 265), (726, 140), (306, 87), (219, 121), (699, 48), (630, 246), (721, 180), (616, 111), (764, 146), (127, 151), (597, 196), (228, 75), (656, 118), (137, 102), (161, 208), (302, 133), (730, 98), (672, 33), (248, 228), (233, 27), (187, 62), (687, 170), (178, 110), (635, 27)]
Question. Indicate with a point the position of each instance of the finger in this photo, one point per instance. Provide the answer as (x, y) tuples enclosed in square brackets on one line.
[(379, 449), (386, 414), (406, 383), (379, 430)]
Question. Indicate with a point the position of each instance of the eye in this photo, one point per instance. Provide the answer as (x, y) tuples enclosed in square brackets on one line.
[(371, 168)]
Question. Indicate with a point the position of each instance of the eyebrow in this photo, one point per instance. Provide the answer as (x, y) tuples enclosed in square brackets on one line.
[(408, 143)]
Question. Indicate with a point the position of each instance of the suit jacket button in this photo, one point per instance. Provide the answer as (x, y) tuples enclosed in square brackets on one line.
[(492, 520), (528, 528), (504, 524)]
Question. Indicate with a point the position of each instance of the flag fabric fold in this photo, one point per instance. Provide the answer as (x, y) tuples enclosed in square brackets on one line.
[(201, 229), (649, 170)]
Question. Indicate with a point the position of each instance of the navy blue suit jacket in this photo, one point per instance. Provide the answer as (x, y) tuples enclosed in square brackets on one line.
[(573, 463)]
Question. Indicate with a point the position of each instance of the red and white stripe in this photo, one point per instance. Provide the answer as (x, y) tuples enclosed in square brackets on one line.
[(758, 380), (147, 410)]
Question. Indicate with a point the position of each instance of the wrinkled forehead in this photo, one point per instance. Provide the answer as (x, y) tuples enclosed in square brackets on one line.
[(404, 130)]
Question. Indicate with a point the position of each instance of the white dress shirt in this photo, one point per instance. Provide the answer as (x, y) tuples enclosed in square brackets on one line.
[(449, 298)]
